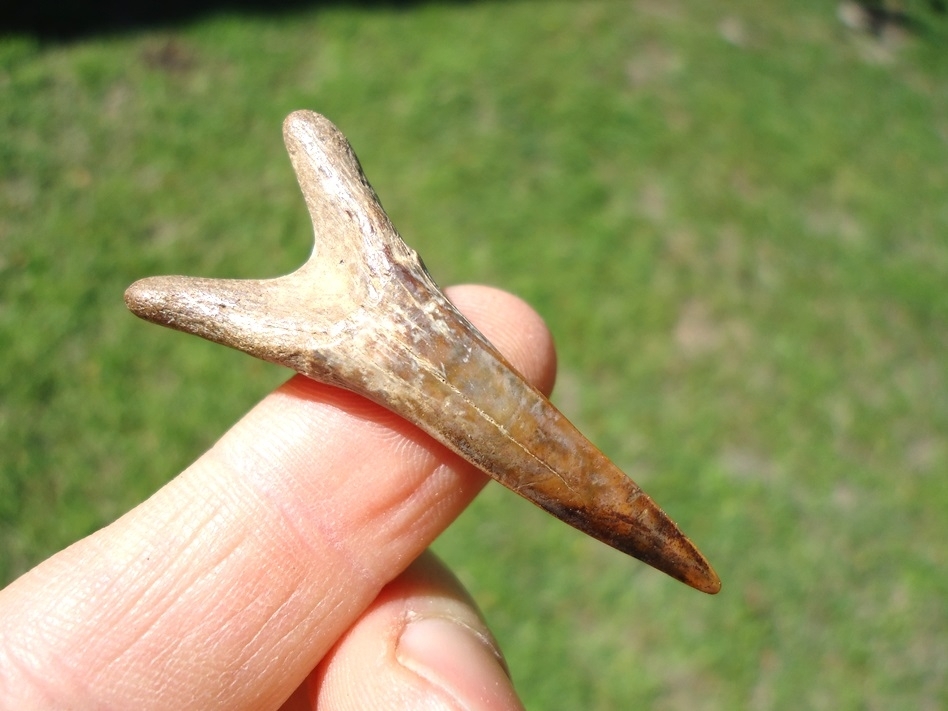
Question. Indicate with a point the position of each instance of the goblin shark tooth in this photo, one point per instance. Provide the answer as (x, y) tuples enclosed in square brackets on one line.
[(363, 314)]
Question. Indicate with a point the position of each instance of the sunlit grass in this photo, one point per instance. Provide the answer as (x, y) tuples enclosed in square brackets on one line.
[(734, 220)]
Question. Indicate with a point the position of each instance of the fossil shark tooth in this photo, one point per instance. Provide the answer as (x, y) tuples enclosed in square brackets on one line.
[(363, 314)]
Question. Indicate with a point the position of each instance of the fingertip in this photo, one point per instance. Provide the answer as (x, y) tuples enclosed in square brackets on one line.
[(421, 644), (458, 661)]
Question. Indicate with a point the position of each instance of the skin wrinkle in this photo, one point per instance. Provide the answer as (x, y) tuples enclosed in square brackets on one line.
[(295, 599), (170, 602), (417, 456), (299, 596), (227, 616), (151, 597), (30, 671), (312, 530), (431, 498), (263, 587), (267, 615), (429, 463), (265, 483), (289, 519), (72, 681), (253, 649), (148, 599), (34, 667), (294, 518)]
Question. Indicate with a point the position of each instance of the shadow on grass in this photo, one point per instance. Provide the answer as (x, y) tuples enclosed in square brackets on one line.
[(63, 20)]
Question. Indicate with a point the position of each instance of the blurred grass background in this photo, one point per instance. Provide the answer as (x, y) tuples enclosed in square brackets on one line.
[(734, 218)]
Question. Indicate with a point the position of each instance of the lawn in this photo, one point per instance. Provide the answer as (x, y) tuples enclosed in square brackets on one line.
[(734, 219)]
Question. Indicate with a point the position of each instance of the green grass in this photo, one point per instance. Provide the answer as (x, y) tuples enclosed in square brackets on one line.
[(741, 246)]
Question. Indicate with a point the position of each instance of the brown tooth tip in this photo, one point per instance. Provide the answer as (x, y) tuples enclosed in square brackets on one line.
[(710, 585), (363, 314)]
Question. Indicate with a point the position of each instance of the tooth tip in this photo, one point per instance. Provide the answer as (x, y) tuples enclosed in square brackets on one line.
[(644, 531), (167, 300), (290, 122), (712, 585), (680, 559), (701, 576), (677, 556), (144, 296)]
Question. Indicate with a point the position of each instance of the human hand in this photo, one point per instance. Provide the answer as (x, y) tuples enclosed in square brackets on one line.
[(286, 566)]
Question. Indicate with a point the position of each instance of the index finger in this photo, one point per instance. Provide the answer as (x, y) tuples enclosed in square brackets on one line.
[(227, 586)]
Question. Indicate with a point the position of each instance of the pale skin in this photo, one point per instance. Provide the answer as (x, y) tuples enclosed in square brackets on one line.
[(286, 568)]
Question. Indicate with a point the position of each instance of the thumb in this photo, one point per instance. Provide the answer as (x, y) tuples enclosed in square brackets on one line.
[(421, 642)]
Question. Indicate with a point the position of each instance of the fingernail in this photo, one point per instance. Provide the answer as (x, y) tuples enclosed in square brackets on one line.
[(460, 660)]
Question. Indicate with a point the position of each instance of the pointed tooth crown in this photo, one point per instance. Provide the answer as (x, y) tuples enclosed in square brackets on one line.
[(364, 314)]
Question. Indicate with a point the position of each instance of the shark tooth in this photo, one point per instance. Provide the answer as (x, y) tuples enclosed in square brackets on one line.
[(363, 314)]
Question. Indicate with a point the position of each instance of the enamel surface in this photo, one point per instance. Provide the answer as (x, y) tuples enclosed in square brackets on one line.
[(363, 314)]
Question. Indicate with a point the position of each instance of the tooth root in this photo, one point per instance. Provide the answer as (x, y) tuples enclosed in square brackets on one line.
[(364, 314)]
